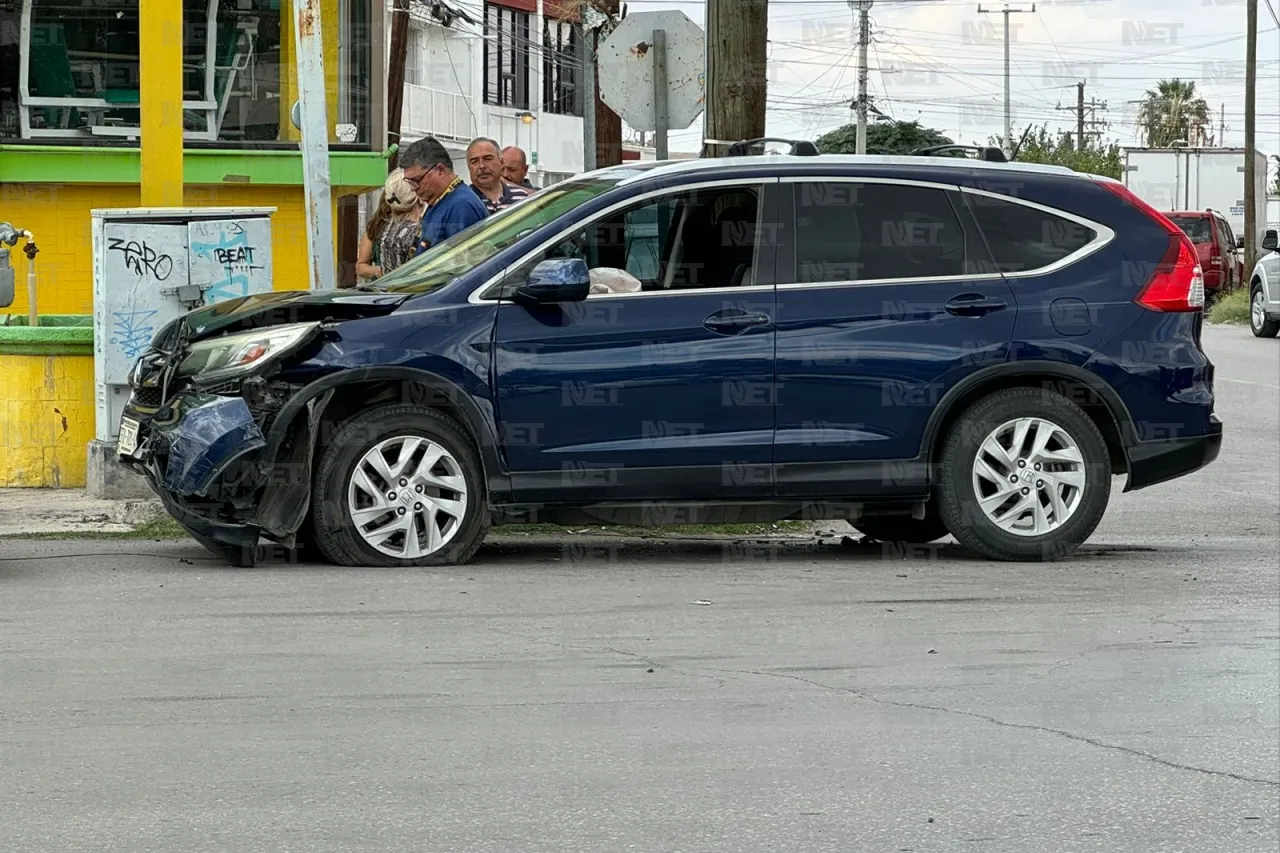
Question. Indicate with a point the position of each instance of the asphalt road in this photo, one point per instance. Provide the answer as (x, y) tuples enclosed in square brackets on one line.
[(558, 696)]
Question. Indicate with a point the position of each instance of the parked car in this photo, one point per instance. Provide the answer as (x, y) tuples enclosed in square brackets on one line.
[(1264, 289), (1217, 248), (921, 345)]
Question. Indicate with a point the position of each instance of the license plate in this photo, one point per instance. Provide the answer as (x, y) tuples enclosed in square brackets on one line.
[(128, 441)]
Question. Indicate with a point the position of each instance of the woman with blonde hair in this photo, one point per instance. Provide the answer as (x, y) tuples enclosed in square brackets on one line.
[(391, 236)]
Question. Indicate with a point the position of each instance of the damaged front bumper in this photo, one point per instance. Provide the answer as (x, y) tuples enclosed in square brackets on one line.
[(225, 465)]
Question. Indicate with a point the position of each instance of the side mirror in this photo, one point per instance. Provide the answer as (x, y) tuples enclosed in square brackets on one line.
[(1239, 242), (1269, 240), (556, 280)]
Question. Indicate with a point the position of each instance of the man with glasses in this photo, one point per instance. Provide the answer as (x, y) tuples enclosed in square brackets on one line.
[(451, 205)]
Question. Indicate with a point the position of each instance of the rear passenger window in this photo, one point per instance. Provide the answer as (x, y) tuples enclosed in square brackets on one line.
[(1023, 238), (862, 232)]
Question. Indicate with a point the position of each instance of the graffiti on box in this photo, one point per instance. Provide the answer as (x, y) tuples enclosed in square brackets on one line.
[(230, 261)]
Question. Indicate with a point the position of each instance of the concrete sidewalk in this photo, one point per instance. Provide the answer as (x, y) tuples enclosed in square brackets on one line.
[(70, 511)]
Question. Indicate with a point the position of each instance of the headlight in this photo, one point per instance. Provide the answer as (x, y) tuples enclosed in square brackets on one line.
[(242, 354)]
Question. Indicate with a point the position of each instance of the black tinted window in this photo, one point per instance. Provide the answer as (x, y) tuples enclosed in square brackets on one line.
[(1198, 228), (1023, 238), (862, 232)]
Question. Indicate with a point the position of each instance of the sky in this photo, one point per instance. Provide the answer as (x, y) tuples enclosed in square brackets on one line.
[(941, 62)]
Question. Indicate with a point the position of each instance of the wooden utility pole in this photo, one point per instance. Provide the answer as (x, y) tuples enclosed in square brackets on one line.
[(1080, 116), (737, 50), (608, 124), (1250, 151), (395, 77)]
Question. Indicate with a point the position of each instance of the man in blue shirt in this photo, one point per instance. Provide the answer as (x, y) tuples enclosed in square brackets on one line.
[(451, 205)]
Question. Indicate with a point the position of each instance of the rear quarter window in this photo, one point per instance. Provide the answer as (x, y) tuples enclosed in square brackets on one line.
[(1022, 238)]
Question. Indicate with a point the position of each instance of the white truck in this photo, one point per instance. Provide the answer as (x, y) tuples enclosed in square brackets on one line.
[(1197, 179)]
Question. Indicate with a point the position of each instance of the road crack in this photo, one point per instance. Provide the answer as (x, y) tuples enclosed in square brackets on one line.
[(1094, 742)]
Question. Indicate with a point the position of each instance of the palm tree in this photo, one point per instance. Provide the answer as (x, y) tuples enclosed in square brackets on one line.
[(1172, 113)]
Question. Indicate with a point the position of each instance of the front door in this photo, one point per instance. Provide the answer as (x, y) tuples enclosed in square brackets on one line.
[(659, 385), (877, 319)]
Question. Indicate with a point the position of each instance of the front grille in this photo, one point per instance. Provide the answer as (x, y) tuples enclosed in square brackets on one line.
[(150, 398)]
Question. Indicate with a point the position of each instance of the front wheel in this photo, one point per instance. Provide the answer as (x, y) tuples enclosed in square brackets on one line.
[(1025, 476), (399, 485), (1259, 324)]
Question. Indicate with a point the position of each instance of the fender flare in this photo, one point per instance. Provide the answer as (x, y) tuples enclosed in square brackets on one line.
[(962, 393), (474, 421)]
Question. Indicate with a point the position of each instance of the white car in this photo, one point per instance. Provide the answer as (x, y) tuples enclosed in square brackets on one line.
[(1264, 289)]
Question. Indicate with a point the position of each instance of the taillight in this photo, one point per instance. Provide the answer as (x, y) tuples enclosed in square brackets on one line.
[(1178, 281)]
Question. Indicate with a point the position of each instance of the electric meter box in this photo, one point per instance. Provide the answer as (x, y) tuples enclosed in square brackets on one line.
[(151, 266)]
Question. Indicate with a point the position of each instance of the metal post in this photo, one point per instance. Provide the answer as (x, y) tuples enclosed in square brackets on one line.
[(1008, 101), (589, 100), (863, 8), (309, 49), (160, 70), (661, 119), (1008, 108)]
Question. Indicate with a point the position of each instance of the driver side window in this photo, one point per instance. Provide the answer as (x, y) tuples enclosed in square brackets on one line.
[(693, 239)]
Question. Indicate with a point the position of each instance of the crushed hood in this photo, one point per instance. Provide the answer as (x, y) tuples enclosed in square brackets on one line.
[(287, 306)]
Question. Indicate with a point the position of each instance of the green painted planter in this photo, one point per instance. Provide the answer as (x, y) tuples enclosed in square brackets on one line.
[(56, 334)]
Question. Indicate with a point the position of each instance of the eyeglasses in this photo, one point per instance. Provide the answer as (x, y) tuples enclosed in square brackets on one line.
[(418, 180)]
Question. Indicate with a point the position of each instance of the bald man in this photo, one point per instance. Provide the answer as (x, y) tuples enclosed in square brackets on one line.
[(515, 166)]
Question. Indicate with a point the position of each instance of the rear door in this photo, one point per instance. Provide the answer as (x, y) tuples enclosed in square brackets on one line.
[(882, 308)]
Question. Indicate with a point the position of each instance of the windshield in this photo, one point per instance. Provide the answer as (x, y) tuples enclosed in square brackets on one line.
[(1195, 227), (444, 262)]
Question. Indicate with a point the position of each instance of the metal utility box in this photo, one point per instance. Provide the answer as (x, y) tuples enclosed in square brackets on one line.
[(151, 266), (1197, 179)]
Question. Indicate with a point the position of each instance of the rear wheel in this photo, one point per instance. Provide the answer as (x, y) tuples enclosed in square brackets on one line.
[(1025, 476), (1259, 323), (399, 485)]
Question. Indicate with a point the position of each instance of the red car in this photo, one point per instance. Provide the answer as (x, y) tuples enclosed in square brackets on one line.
[(1217, 247)]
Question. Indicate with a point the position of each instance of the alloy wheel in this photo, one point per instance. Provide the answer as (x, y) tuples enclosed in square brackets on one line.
[(1258, 309), (407, 497), (1029, 476)]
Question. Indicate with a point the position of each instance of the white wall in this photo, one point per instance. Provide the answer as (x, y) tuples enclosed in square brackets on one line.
[(444, 97)]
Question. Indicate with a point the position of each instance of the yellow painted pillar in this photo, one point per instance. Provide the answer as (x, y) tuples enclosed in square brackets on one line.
[(160, 96), (329, 24)]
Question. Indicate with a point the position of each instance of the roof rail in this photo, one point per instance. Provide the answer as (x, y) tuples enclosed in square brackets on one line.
[(984, 152), (799, 147)]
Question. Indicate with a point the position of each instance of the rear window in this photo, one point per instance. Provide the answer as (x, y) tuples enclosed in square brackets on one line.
[(1198, 228), (1023, 238)]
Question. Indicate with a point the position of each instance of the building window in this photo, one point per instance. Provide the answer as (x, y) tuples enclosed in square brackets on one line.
[(506, 57), (561, 67), (69, 71)]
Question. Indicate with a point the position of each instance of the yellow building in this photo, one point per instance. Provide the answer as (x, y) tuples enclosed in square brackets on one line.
[(94, 80)]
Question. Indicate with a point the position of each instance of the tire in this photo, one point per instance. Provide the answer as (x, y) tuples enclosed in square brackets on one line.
[(903, 528), (393, 428), (1087, 486), (1260, 324)]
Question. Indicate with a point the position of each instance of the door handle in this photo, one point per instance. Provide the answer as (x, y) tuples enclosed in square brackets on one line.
[(974, 305), (735, 322)]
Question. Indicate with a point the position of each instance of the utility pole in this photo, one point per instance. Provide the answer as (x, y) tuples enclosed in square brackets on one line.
[(601, 126), (863, 10), (1080, 116), (1250, 151), (1081, 109), (395, 77), (1008, 105), (737, 49)]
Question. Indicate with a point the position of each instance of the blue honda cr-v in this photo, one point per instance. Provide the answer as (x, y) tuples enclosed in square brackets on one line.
[(921, 345)]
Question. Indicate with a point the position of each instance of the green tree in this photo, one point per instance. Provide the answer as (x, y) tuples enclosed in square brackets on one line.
[(890, 137), (1040, 146), (1173, 112)]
